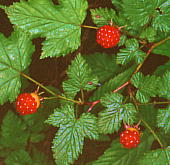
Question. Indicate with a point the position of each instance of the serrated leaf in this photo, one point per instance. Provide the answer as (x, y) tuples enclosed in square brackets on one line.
[(89, 125), (163, 119), (149, 34), (79, 75), (18, 157), (15, 56), (112, 84), (102, 16), (147, 86), (122, 41), (59, 24), (140, 13), (162, 156), (61, 115), (164, 88), (131, 52), (163, 49), (110, 119), (117, 155), (69, 140), (11, 127), (104, 66)]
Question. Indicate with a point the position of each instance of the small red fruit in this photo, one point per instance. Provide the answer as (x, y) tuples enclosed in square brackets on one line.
[(27, 103), (130, 138), (108, 36)]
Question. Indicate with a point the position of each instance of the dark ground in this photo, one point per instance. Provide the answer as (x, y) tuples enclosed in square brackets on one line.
[(44, 72)]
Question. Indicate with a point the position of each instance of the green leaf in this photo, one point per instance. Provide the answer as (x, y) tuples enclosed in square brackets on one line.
[(80, 74), (15, 56), (149, 34), (61, 115), (122, 41), (164, 87), (130, 52), (147, 86), (102, 16), (35, 138), (163, 119), (59, 24), (69, 140), (110, 119), (163, 68), (163, 49), (89, 125), (18, 157), (156, 157), (102, 65), (11, 127), (112, 84), (117, 155)]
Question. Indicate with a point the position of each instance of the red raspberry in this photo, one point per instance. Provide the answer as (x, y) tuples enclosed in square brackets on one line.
[(27, 103), (108, 36), (130, 138)]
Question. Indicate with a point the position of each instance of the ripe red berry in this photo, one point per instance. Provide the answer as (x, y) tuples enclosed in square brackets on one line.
[(130, 138), (27, 103), (108, 36)]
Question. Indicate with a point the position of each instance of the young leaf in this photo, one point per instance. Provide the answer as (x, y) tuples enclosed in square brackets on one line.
[(59, 24), (102, 16), (164, 85), (117, 155), (147, 86), (18, 157), (15, 56), (149, 34), (156, 157), (163, 119), (112, 84), (130, 52), (80, 75), (111, 118), (69, 140), (11, 127), (103, 65)]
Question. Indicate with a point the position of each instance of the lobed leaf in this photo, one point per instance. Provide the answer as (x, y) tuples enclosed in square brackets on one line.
[(147, 86), (79, 75), (59, 24), (15, 56), (163, 119), (110, 119)]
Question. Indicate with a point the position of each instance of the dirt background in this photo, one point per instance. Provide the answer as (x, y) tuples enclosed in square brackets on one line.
[(51, 71)]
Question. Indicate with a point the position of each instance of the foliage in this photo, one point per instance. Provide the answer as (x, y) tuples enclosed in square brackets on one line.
[(99, 93)]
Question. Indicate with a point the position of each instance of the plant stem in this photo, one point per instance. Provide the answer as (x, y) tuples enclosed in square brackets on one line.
[(48, 90), (149, 52), (91, 27), (122, 86), (82, 95), (156, 103), (155, 136)]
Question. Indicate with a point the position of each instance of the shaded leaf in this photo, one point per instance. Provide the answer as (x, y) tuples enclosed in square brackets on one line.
[(15, 56), (162, 156), (163, 119), (117, 155), (149, 34), (59, 24)]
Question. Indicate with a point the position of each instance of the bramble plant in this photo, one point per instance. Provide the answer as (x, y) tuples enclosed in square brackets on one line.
[(102, 97)]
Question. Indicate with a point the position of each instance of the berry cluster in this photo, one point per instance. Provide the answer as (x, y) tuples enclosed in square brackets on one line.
[(108, 36)]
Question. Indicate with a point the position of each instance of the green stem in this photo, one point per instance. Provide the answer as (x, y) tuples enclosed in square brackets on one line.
[(91, 27), (48, 90), (155, 136), (156, 103)]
